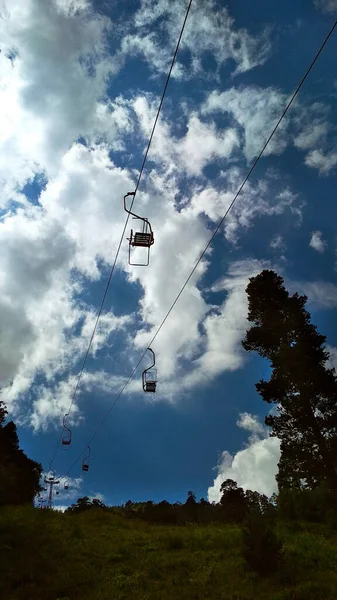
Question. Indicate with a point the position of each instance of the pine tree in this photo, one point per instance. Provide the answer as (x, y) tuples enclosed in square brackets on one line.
[(301, 385), (19, 475)]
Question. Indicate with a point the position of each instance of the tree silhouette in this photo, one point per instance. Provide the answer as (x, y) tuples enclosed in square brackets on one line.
[(233, 500), (19, 475), (191, 499), (85, 503), (302, 387)]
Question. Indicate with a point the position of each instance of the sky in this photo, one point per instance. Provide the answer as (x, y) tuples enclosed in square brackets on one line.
[(79, 89)]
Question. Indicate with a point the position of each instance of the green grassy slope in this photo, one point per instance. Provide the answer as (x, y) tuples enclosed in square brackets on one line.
[(45, 555)]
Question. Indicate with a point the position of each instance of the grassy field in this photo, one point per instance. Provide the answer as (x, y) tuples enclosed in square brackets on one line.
[(45, 555)]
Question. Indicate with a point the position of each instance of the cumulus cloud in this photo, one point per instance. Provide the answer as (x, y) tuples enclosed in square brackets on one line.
[(48, 103), (43, 248), (253, 468), (317, 242)]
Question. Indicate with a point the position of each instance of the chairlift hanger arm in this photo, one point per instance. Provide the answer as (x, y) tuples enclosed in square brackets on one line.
[(154, 360), (134, 214)]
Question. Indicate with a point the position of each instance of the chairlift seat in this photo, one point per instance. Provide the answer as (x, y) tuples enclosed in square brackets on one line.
[(66, 441), (150, 386), (144, 240), (85, 467)]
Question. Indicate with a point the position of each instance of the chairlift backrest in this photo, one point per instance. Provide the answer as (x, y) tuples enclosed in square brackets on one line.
[(150, 386)]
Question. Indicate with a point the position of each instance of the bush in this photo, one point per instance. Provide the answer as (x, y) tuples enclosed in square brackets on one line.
[(262, 550)]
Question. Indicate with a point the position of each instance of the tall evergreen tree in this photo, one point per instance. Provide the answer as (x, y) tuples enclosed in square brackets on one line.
[(19, 475), (301, 385)]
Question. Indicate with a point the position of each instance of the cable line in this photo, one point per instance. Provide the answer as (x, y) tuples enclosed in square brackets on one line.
[(127, 219), (210, 240)]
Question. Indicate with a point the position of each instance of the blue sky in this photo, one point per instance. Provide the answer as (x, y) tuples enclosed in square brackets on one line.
[(80, 85)]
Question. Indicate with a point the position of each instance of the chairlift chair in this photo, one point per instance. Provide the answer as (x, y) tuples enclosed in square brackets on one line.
[(139, 239), (66, 433), (52, 476), (149, 376), (85, 461)]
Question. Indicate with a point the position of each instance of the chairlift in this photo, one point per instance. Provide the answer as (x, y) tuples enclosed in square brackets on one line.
[(139, 239), (66, 433), (149, 376), (52, 476), (66, 485), (85, 461)]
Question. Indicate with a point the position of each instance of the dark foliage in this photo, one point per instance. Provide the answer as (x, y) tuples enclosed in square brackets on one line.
[(85, 503), (304, 389), (19, 475), (316, 505), (262, 550), (233, 501), (234, 506)]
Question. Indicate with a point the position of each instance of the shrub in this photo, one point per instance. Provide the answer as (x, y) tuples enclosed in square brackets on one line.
[(262, 550)]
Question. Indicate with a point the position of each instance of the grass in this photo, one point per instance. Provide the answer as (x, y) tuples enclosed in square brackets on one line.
[(45, 555)]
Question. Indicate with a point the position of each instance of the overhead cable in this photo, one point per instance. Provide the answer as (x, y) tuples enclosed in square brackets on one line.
[(252, 168), (126, 222)]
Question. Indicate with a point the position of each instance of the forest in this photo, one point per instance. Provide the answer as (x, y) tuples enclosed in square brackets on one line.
[(246, 546)]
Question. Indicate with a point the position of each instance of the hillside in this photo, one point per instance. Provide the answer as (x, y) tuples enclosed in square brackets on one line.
[(100, 555)]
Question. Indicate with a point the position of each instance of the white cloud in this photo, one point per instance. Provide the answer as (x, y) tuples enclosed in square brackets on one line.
[(257, 110), (253, 468), (60, 507), (324, 162), (201, 144), (332, 361), (277, 243), (321, 294), (97, 496), (43, 249), (317, 242), (208, 31), (266, 198), (309, 137), (251, 424), (326, 6), (50, 92)]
